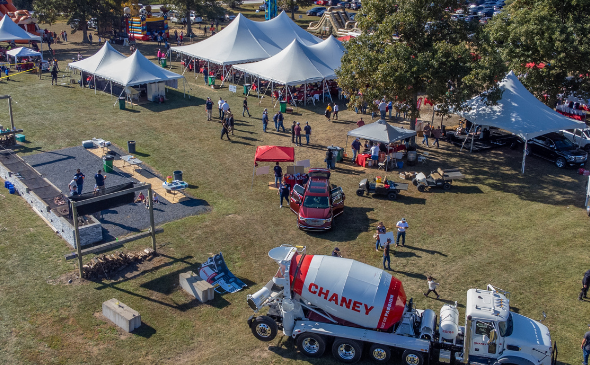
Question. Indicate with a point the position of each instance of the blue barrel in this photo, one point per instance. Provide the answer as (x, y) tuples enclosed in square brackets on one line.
[(11, 189), (7, 184), (400, 164)]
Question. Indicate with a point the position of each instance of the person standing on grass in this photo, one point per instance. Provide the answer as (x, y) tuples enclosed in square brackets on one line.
[(426, 132), (280, 122), (245, 108), (356, 148), (328, 112), (360, 123), (209, 108), (328, 159), (278, 174), (90, 37), (389, 107), (436, 134), (181, 36), (335, 112), (336, 252), (585, 285), (375, 154), (265, 120), (231, 121), (293, 132), (386, 255), (380, 230), (79, 178), (275, 119), (283, 193), (382, 109), (586, 346), (54, 74), (225, 109), (401, 231), (225, 129), (99, 178), (307, 129), (431, 287), (298, 134), (220, 107)]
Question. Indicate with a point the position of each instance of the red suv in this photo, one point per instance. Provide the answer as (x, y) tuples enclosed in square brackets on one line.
[(317, 204)]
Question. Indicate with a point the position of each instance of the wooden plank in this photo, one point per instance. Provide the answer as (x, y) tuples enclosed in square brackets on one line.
[(111, 245)]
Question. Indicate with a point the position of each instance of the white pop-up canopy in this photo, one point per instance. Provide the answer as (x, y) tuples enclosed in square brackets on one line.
[(244, 40), (136, 70), (10, 31), (23, 52), (382, 132), (519, 112), (104, 58)]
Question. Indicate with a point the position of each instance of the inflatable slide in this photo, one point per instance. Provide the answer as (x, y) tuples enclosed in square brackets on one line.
[(335, 21)]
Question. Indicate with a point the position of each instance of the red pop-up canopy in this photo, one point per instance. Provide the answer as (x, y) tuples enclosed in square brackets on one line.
[(274, 154)]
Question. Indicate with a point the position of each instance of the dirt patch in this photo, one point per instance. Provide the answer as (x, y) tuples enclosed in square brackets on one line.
[(69, 278)]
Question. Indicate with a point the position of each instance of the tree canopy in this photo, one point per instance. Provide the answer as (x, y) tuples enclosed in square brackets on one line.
[(412, 46), (209, 8)]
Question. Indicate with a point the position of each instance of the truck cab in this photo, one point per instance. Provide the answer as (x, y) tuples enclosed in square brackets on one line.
[(493, 334)]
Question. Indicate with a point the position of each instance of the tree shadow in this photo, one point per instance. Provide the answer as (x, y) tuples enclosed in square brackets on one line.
[(145, 330)]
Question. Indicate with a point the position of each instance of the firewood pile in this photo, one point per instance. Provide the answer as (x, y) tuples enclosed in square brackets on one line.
[(103, 265)]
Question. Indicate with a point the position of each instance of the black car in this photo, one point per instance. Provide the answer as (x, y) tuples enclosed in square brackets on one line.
[(556, 148), (315, 11)]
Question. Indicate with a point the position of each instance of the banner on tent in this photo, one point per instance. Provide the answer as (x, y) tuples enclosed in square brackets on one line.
[(262, 170), (233, 89)]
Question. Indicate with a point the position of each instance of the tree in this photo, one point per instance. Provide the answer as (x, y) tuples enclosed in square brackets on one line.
[(233, 3), (412, 46), (209, 8), (23, 4), (555, 33), (289, 5)]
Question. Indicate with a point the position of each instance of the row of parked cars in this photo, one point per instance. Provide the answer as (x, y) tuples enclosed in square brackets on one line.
[(479, 13)]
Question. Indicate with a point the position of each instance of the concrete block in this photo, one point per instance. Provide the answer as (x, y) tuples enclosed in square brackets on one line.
[(121, 315), (196, 286)]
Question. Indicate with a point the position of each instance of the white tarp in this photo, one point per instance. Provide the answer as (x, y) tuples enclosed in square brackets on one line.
[(244, 40), (23, 52), (382, 132), (135, 70), (519, 112), (298, 64), (10, 31), (106, 56)]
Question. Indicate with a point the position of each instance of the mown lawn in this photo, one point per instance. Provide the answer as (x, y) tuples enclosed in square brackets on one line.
[(523, 233)]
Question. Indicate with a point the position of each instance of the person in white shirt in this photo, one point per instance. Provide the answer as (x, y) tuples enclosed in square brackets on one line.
[(401, 231), (220, 107), (335, 116), (382, 108), (225, 109), (375, 154), (73, 188), (431, 287)]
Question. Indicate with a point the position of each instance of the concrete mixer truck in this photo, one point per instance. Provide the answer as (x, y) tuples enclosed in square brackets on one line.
[(353, 308)]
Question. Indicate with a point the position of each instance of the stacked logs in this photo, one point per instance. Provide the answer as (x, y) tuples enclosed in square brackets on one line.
[(103, 265)]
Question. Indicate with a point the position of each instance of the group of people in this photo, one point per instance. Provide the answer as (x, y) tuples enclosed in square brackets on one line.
[(331, 112), (77, 184), (435, 133), (141, 198)]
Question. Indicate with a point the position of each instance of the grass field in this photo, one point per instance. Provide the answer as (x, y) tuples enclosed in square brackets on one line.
[(523, 233)]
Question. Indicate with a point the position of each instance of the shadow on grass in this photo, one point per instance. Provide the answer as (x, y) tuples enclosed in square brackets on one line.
[(348, 225), (410, 274), (145, 330), (141, 154), (430, 252)]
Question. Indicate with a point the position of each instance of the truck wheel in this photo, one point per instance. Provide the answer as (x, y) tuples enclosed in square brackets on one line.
[(446, 186), (360, 192), (421, 188), (347, 351), (415, 182), (560, 162), (380, 353), (264, 328), (587, 147), (392, 195), (412, 358), (311, 344)]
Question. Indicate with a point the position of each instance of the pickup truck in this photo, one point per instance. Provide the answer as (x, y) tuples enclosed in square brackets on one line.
[(578, 137)]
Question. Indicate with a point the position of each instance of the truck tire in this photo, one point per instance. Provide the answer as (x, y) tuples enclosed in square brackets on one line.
[(360, 192), (421, 188), (410, 357), (380, 353), (311, 344), (587, 148), (560, 162), (264, 328), (446, 186), (347, 351), (392, 195)]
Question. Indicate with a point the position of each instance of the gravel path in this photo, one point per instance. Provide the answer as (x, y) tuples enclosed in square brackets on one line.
[(60, 166)]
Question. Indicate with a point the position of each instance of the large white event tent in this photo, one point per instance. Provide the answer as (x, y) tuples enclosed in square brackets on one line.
[(519, 112), (299, 64), (104, 58), (10, 31), (245, 40)]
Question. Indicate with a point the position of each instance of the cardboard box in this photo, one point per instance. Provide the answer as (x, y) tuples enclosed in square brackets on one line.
[(292, 170)]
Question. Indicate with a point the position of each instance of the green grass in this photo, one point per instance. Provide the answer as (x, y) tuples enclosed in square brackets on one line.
[(523, 233)]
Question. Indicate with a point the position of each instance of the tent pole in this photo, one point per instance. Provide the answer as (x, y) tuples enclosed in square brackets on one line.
[(258, 87), (323, 91), (524, 154), (94, 84), (183, 88), (110, 82), (305, 94), (253, 172), (472, 140), (272, 92)]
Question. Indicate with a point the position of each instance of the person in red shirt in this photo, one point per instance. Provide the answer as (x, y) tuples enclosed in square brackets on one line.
[(298, 134), (360, 123)]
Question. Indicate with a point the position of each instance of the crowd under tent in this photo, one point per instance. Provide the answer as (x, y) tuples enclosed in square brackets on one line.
[(299, 64), (23, 52), (104, 58), (518, 112), (245, 40)]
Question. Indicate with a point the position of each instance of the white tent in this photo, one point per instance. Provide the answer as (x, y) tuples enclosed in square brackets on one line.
[(330, 51), (518, 111), (106, 56), (23, 52), (10, 31), (382, 132), (244, 40), (136, 70)]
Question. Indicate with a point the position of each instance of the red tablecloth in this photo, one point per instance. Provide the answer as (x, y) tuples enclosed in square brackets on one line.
[(299, 180), (289, 180), (361, 159)]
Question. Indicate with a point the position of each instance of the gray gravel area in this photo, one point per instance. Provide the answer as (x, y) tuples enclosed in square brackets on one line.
[(60, 166)]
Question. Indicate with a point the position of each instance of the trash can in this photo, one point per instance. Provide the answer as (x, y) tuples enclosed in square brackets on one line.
[(177, 175), (283, 107), (340, 154), (246, 88), (400, 164), (211, 80), (131, 146), (334, 156), (122, 103), (108, 163), (163, 62), (411, 157)]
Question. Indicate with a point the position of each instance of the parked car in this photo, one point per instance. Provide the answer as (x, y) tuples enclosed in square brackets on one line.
[(317, 204), (344, 4), (315, 11), (321, 12), (355, 5), (230, 17), (288, 9), (578, 137), (92, 23), (558, 149), (457, 17)]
